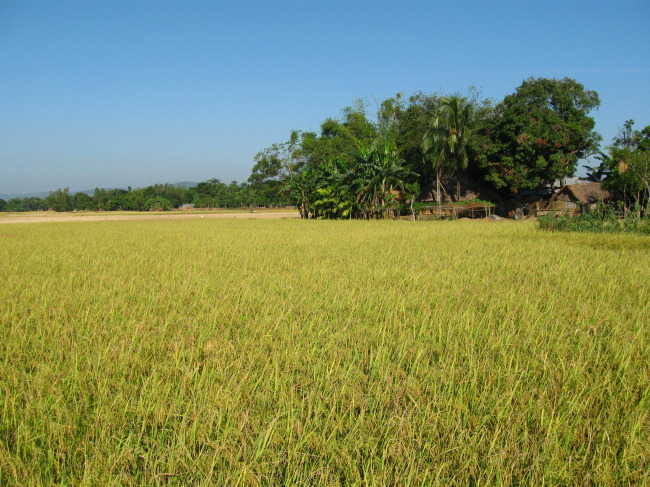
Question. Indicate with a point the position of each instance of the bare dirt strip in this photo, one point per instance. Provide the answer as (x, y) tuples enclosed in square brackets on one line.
[(48, 217)]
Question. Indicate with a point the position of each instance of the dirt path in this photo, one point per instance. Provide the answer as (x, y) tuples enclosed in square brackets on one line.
[(42, 217)]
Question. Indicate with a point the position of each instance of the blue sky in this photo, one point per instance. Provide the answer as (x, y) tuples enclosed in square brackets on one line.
[(117, 93)]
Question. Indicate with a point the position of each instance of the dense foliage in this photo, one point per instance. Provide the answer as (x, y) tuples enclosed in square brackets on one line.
[(25, 204), (532, 138), (604, 219), (538, 134), (447, 142), (625, 168)]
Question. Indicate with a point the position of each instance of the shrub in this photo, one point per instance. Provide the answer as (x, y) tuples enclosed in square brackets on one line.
[(157, 203), (603, 219)]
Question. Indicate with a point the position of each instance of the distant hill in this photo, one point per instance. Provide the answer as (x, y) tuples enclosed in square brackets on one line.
[(89, 192), (45, 194), (8, 196)]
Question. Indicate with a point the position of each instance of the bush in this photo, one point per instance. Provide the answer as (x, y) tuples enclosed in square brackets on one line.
[(604, 219), (157, 203)]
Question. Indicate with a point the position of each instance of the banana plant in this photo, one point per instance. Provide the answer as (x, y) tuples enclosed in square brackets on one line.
[(379, 171)]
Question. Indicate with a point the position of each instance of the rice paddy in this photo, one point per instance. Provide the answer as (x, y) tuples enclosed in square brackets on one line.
[(288, 352)]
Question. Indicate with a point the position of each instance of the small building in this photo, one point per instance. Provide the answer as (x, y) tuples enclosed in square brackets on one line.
[(572, 199), (186, 206)]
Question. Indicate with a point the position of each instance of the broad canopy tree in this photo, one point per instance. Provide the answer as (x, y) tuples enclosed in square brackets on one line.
[(274, 165), (59, 200), (538, 134)]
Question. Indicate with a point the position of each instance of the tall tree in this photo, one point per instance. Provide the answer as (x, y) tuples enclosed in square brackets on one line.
[(448, 139), (301, 188), (59, 200), (275, 165), (538, 134), (339, 138)]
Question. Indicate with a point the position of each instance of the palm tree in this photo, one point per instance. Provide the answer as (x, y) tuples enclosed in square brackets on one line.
[(434, 150), (448, 138)]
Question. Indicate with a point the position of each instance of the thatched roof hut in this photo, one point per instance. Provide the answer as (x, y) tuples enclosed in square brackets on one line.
[(586, 194), (575, 197)]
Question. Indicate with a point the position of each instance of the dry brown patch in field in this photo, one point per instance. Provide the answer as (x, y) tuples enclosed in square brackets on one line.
[(43, 217)]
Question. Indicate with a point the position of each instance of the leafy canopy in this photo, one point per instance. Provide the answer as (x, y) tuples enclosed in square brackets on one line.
[(538, 134)]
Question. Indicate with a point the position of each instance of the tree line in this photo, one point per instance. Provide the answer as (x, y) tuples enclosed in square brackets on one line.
[(358, 166), (158, 197)]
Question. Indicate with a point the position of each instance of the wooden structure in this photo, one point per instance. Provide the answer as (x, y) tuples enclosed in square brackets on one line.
[(471, 210), (449, 207)]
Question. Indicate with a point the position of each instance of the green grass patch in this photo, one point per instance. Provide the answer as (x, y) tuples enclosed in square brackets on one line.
[(604, 219)]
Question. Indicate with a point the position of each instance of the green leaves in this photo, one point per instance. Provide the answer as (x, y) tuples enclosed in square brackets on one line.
[(539, 134), (59, 200), (356, 184), (379, 170), (450, 134), (627, 166)]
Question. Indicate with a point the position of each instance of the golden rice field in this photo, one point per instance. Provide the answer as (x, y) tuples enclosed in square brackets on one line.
[(322, 353)]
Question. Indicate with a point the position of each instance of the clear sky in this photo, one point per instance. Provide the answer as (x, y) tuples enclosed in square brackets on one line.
[(117, 93)]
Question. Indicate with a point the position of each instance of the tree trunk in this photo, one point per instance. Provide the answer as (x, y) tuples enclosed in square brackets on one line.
[(304, 211), (458, 184)]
